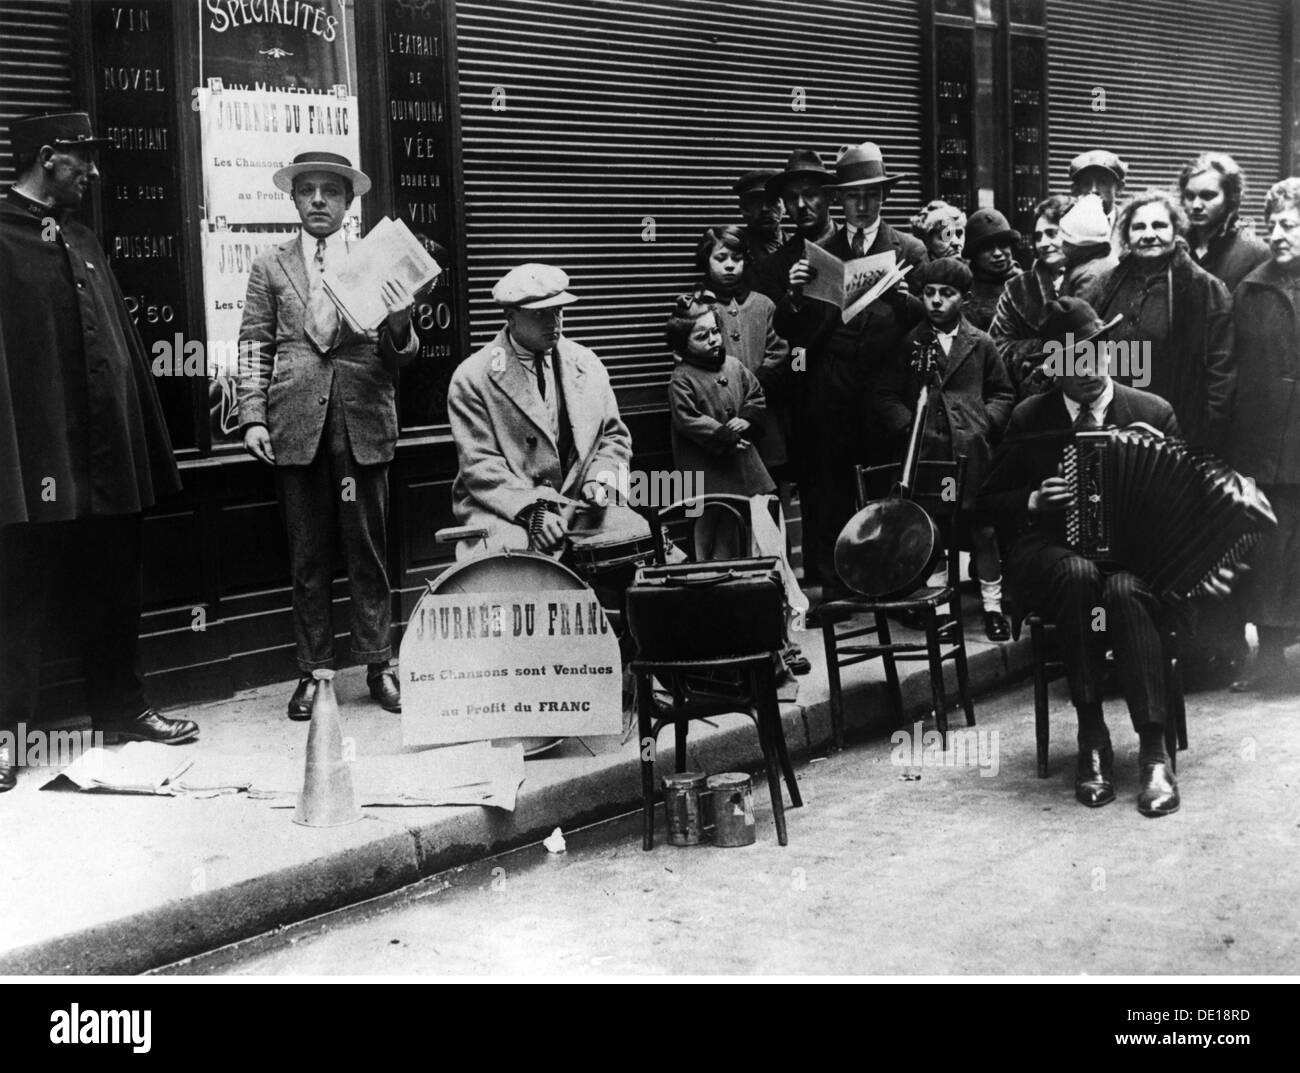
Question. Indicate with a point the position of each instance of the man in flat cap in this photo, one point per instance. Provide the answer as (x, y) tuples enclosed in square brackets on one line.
[(536, 426), (833, 421), (1099, 172), (762, 211), (84, 449), (318, 402)]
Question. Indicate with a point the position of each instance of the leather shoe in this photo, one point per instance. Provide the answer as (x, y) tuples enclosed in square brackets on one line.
[(1094, 781), (795, 661), (150, 726), (996, 627), (303, 698), (8, 776), (1159, 793), (384, 688)]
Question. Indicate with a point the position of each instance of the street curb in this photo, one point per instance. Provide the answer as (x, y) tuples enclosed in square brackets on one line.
[(385, 853)]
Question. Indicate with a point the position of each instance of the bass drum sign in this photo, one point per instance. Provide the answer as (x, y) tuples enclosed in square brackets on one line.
[(507, 571)]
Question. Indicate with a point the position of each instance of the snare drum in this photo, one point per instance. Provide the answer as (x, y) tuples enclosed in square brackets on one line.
[(596, 556)]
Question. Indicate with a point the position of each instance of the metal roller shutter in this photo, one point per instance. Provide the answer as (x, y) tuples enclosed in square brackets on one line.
[(35, 66), (618, 110), (1180, 79)]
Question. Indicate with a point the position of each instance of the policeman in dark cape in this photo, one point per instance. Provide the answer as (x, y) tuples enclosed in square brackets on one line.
[(84, 449)]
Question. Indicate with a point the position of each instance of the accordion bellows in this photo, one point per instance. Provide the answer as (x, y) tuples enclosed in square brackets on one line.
[(1170, 514)]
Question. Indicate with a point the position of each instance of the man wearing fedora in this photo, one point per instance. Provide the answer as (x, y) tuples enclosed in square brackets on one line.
[(317, 401), (84, 449), (536, 426), (1025, 496), (832, 426)]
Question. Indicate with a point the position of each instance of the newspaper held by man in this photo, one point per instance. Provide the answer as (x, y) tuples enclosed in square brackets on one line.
[(853, 285), (389, 251)]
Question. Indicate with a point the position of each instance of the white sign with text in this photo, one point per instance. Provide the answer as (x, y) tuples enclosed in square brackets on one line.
[(476, 666), (249, 135)]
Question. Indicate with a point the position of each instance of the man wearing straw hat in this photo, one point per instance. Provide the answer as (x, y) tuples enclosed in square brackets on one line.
[(833, 405), (317, 400)]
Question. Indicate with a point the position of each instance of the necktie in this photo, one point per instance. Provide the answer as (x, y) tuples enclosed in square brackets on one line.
[(539, 367), (322, 316), (859, 243), (1086, 420)]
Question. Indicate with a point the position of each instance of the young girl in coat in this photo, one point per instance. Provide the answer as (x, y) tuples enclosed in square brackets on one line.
[(717, 409), (970, 406)]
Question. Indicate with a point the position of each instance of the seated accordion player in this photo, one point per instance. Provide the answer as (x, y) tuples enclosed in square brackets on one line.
[(1171, 514)]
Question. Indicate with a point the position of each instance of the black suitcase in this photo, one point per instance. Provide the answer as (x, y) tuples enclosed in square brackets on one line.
[(711, 610)]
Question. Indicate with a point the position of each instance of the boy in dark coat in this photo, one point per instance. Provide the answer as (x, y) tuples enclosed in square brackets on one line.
[(969, 408)]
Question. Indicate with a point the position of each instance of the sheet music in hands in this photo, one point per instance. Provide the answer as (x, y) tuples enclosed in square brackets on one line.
[(851, 285), (388, 251)]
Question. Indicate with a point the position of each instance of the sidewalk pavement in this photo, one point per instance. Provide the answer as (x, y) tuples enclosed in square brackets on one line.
[(107, 883)]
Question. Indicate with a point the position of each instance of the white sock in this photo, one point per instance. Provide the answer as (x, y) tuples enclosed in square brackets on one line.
[(991, 594)]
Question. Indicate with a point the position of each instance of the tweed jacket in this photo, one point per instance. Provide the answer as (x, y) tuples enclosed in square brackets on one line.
[(508, 457), (285, 383)]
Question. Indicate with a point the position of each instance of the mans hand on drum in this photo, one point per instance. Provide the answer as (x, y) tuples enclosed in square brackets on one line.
[(547, 530)]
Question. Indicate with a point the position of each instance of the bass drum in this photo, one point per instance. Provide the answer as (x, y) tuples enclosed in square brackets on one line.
[(506, 571)]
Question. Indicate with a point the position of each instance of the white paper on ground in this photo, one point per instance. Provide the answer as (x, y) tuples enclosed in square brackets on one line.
[(473, 774), (138, 767)]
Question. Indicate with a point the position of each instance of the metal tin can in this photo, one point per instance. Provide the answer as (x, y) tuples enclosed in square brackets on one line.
[(733, 809), (682, 807)]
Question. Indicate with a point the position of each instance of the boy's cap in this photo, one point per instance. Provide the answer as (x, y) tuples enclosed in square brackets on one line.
[(951, 271)]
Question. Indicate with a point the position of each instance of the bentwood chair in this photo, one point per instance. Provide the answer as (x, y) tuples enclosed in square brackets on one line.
[(1047, 663), (939, 487), (704, 688)]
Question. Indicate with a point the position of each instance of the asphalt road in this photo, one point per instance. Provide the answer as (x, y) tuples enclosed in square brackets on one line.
[(977, 869)]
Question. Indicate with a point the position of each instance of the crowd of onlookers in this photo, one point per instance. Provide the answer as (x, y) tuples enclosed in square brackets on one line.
[(773, 391)]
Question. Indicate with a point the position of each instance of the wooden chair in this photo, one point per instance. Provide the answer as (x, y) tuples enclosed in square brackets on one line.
[(757, 696), (1046, 664), (939, 489)]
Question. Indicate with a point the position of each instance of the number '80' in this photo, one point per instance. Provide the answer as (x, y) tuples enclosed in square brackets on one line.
[(428, 315)]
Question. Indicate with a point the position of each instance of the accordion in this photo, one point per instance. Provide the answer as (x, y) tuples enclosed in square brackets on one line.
[(1171, 514)]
